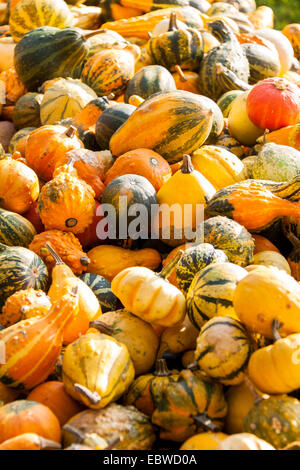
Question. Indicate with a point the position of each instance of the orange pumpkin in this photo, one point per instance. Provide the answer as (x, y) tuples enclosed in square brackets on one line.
[(53, 395), (48, 145), (143, 162), (24, 304), (263, 244), (29, 441), (187, 80), (14, 88), (21, 416)]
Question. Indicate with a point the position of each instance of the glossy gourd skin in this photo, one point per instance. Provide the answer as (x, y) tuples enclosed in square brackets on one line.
[(109, 122), (149, 80), (15, 230), (262, 62), (24, 304), (102, 290)]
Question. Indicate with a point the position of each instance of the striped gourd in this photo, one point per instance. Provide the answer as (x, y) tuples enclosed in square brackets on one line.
[(15, 230), (109, 122), (30, 14), (149, 80), (102, 290), (33, 346), (20, 268), (149, 5), (226, 100), (229, 236), (64, 99), (180, 122), (193, 260), (26, 111), (263, 62), (211, 292), (232, 144), (47, 52), (18, 139), (223, 350), (106, 40)]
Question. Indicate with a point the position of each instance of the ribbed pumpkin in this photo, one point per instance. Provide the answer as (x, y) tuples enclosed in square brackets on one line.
[(180, 122), (223, 350), (149, 80), (67, 247), (19, 186), (26, 111), (24, 304), (93, 366), (183, 47), (102, 290), (292, 32), (20, 268), (48, 145), (15, 230), (274, 103), (229, 236), (211, 292), (109, 122), (188, 406), (195, 259), (37, 337), (109, 71), (138, 335), (64, 99), (31, 14), (251, 204), (66, 203), (145, 392)]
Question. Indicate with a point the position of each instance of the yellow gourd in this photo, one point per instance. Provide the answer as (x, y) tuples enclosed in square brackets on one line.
[(272, 258), (204, 441)]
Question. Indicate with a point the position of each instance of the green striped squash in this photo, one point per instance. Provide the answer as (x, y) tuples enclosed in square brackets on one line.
[(48, 52), (223, 350), (17, 137), (231, 144), (193, 260), (31, 14), (149, 80), (106, 40), (226, 101), (109, 122), (102, 290), (20, 268), (15, 230), (229, 236), (211, 292), (263, 63), (64, 99), (26, 111)]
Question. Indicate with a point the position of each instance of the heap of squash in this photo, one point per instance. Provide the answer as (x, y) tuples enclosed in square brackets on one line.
[(111, 341)]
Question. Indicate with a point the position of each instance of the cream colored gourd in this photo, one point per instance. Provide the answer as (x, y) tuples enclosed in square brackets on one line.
[(272, 258), (244, 441)]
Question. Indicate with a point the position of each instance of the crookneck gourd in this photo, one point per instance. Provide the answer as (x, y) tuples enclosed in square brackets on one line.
[(97, 369), (188, 406), (225, 67)]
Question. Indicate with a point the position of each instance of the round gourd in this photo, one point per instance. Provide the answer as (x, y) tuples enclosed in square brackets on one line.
[(163, 27), (193, 260), (211, 292), (18, 141), (20, 268), (244, 441), (239, 125), (64, 99), (262, 62), (225, 102), (276, 163), (223, 350), (30, 14), (106, 40), (15, 230), (271, 258), (109, 122), (149, 80), (101, 288), (275, 420), (26, 111)]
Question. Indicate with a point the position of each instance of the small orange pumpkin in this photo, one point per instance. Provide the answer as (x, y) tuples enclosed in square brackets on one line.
[(187, 80)]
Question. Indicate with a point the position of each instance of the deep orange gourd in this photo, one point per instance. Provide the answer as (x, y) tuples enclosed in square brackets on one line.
[(29, 441), (263, 244), (32, 346), (48, 145), (289, 136), (22, 416), (24, 304)]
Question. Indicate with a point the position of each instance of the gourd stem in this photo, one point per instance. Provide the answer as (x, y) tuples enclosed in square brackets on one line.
[(102, 327), (290, 236), (276, 324), (173, 22), (113, 443), (187, 166), (53, 253), (93, 397), (180, 73), (166, 271), (85, 261), (257, 395), (111, 96), (193, 366), (205, 422), (79, 435), (161, 369), (70, 132), (267, 131), (149, 35), (47, 444), (87, 36)]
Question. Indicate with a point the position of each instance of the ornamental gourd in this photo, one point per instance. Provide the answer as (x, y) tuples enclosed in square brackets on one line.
[(149, 80), (178, 339), (26, 111), (15, 230), (109, 122), (29, 441), (204, 441), (149, 295), (292, 32), (276, 163), (244, 441), (93, 366), (24, 304), (102, 290)]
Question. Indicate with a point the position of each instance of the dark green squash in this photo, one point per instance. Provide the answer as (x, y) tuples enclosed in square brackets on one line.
[(109, 122), (101, 288), (26, 111), (262, 62), (18, 136), (20, 268), (193, 260), (15, 230), (149, 80), (225, 67)]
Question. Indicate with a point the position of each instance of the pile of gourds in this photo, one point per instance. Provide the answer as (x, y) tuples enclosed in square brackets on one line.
[(115, 342)]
